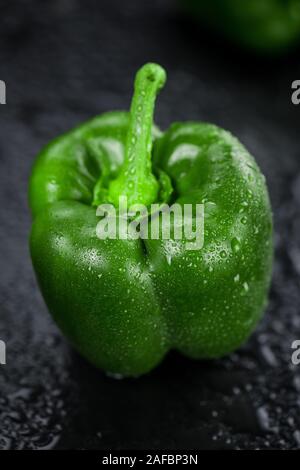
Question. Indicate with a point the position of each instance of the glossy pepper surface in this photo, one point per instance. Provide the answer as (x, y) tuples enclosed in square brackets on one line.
[(266, 26), (125, 303)]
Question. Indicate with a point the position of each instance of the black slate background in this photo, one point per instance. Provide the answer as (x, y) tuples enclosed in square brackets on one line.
[(64, 61)]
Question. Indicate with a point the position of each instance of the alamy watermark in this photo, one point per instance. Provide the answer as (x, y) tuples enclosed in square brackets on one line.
[(2, 353), (296, 354), (2, 343), (2, 92), (296, 93), (160, 221)]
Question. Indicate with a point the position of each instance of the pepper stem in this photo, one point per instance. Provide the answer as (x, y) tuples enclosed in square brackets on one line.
[(136, 180)]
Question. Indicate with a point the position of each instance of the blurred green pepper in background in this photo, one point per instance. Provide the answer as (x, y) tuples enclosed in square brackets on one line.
[(266, 26)]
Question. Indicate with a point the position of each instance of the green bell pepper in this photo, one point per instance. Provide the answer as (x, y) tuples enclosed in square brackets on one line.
[(267, 26), (125, 303)]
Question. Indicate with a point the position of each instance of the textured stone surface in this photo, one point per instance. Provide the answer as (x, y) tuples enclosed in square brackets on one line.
[(64, 61)]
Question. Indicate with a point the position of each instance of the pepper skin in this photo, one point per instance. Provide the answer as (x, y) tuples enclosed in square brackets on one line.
[(265, 26), (125, 303)]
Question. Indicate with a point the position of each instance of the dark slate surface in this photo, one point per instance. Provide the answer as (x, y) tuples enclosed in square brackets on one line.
[(64, 61)]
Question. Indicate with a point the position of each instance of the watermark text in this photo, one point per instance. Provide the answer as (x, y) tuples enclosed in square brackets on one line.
[(2, 92), (296, 93), (159, 222), (296, 354), (2, 353)]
